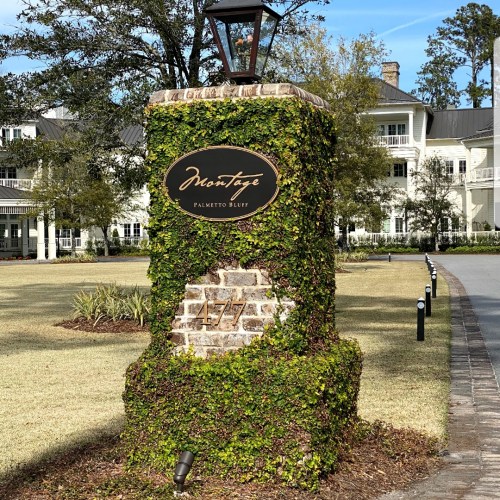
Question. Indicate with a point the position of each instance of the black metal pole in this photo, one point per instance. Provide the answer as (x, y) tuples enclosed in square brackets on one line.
[(434, 284), (428, 300), (389, 256), (420, 319)]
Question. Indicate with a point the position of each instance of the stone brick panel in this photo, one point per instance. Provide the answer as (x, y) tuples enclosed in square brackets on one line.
[(226, 310), (254, 91)]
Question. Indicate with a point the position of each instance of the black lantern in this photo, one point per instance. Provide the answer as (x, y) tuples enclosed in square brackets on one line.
[(244, 31)]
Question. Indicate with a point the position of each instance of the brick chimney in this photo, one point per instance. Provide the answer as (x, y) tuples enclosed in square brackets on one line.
[(390, 73)]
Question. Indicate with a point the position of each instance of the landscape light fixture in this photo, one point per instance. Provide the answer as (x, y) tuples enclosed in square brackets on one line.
[(243, 31), (182, 469)]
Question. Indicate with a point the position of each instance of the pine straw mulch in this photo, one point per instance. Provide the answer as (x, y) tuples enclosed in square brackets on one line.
[(384, 459), (104, 326)]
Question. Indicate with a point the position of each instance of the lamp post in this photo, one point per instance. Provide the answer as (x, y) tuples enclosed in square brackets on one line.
[(243, 31)]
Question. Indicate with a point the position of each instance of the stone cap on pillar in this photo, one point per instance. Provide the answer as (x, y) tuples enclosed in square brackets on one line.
[(259, 90)]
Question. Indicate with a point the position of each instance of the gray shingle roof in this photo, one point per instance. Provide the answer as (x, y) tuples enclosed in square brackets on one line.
[(389, 94), (460, 123), (132, 135), (7, 193), (49, 128)]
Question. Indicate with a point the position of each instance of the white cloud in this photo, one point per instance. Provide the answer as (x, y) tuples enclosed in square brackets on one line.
[(419, 20)]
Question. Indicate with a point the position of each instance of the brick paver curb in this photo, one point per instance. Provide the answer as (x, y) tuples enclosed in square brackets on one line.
[(473, 463)]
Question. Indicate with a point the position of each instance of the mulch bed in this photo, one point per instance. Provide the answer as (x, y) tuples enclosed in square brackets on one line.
[(384, 460), (104, 326)]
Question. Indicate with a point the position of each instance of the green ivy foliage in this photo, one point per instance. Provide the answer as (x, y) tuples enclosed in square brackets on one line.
[(277, 408)]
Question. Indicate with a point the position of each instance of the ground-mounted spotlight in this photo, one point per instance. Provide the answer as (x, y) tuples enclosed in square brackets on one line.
[(182, 470)]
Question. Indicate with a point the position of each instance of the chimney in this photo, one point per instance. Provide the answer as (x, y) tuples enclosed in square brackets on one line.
[(390, 73)]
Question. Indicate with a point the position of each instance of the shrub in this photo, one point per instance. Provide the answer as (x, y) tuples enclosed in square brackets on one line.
[(111, 303), (78, 259), (247, 415), (475, 249)]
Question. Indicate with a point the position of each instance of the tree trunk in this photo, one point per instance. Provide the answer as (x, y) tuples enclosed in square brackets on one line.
[(106, 240), (73, 242)]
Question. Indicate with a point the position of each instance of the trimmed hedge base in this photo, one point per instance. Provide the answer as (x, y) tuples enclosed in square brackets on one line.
[(246, 415)]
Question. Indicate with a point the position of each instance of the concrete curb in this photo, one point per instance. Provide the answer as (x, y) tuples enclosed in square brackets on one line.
[(472, 470)]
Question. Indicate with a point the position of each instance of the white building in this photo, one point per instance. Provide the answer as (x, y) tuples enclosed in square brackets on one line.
[(412, 132), (21, 236)]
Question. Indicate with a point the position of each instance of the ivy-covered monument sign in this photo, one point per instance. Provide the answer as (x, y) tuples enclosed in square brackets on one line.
[(245, 368)]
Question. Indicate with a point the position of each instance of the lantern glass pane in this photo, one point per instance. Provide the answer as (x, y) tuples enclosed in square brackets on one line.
[(236, 38), (267, 28)]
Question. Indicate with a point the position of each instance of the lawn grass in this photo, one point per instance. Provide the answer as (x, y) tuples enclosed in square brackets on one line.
[(59, 388), (404, 382)]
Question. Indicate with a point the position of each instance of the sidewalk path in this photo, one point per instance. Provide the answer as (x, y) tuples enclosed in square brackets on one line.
[(473, 464)]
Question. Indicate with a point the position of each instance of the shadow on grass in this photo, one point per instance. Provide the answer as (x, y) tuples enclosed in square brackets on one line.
[(59, 459)]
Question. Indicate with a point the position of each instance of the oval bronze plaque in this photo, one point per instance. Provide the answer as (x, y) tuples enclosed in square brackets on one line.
[(222, 183)]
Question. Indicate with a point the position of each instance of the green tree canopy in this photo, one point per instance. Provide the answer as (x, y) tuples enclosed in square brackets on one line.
[(432, 201), (464, 41), (345, 76), (128, 48)]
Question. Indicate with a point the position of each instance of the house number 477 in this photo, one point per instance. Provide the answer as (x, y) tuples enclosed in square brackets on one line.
[(220, 307)]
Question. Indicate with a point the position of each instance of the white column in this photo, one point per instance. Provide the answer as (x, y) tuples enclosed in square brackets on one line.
[(52, 241), (40, 239), (410, 128), (25, 237), (468, 210)]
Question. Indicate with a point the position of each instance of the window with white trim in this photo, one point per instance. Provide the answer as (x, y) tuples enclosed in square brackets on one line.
[(400, 169), (445, 224), (449, 167), (10, 134), (8, 173), (399, 225), (462, 166)]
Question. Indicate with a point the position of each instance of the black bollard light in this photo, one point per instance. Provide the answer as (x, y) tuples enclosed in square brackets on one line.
[(420, 319), (389, 256), (428, 307), (434, 276), (426, 257), (429, 265), (432, 270), (182, 469)]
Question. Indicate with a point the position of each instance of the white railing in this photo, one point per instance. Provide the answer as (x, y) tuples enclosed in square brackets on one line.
[(458, 178), (17, 183), (65, 243), (393, 140), (394, 238), (484, 174)]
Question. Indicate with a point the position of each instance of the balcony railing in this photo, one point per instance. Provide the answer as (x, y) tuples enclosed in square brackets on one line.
[(393, 140), (484, 174), (23, 184)]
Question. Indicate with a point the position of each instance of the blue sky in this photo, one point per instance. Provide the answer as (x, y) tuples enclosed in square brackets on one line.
[(403, 26)]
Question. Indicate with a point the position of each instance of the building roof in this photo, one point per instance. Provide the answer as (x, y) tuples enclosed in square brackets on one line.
[(132, 135), (389, 94), (460, 123), (49, 127), (7, 193)]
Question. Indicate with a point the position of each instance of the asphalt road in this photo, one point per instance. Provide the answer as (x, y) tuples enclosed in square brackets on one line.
[(480, 275)]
